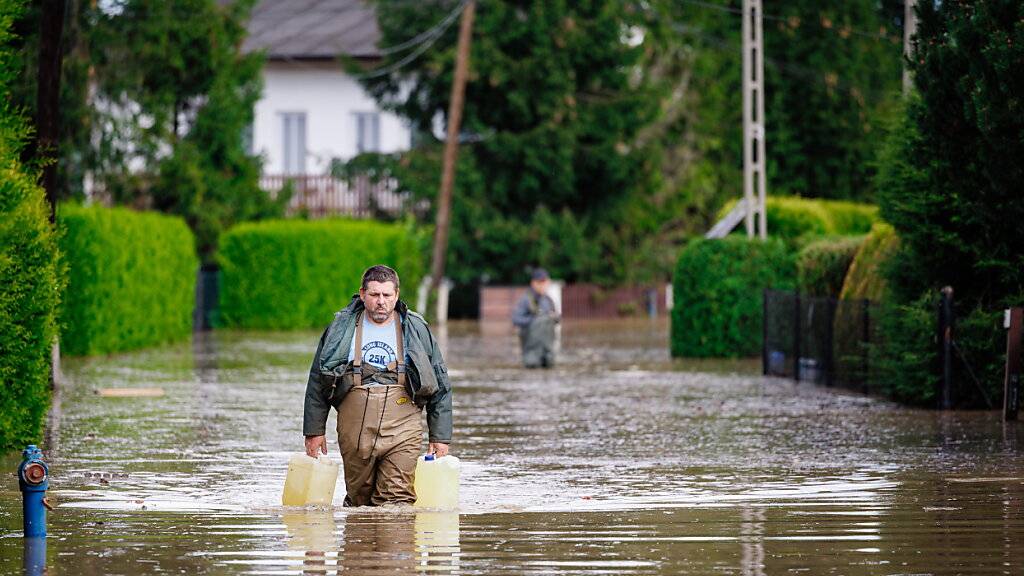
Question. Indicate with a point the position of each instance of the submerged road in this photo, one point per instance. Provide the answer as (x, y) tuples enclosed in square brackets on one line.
[(618, 461)]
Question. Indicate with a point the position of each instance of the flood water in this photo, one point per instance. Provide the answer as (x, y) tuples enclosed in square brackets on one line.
[(618, 461)]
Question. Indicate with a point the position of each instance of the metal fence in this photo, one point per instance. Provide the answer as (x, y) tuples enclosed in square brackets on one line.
[(816, 339)]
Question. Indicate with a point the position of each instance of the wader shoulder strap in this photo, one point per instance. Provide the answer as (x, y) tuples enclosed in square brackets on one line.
[(357, 368), (401, 350)]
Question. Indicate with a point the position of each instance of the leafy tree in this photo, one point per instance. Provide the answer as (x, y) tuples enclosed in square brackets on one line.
[(831, 70), (556, 99), (950, 184), (162, 124)]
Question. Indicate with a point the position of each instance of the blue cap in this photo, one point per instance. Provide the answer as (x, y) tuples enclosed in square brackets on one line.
[(429, 457)]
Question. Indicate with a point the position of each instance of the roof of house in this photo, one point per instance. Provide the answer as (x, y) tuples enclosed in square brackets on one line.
[(313, 29)]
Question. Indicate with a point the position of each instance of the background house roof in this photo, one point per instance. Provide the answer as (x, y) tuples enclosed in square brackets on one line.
[(313, 29)]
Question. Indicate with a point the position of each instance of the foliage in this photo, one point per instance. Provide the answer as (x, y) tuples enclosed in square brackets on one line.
[(821, 266), (832, 68), (717, 291), (200, 91), (557, 96), (799, 220), (30, 285), (131, 279), (905, 361), (73, 156), (865, 278), (950, 184), (951, 177), (287, 274)]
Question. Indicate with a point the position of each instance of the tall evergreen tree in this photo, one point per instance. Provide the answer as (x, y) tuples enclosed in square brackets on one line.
[(556, 98), (952, 182)]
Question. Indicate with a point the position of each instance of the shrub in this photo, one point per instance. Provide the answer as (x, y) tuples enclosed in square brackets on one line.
[(718, 287), (821, 265), (797, 220), (866, 278), (29, 274), (288, 274), (905, 360), (131, 279)]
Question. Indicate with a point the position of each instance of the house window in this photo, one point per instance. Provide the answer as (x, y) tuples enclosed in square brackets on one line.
[(294, 131), (367, 132)]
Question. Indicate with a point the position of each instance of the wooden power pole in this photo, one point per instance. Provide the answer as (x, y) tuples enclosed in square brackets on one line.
[(51, 31), (754, 187), (451, 147)]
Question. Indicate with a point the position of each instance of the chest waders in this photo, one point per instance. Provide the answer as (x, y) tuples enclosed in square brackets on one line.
[(386, 476)]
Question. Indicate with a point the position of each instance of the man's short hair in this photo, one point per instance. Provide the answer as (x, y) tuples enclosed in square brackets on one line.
[(379, 273), (539, 274)]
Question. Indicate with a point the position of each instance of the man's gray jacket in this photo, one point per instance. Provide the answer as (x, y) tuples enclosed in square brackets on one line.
[(426, 381)]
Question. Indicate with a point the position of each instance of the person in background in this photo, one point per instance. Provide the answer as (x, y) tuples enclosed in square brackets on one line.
[(379, 366), (536, 316)]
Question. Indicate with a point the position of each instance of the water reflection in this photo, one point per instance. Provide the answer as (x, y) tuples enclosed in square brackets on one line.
[(35, 556), (374, 542)]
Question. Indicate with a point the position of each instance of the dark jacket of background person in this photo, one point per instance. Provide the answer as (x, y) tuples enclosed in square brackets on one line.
[(530, 306), (427, 381), (535, 316)]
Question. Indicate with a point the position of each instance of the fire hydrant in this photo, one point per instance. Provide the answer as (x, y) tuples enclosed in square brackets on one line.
[(33, 480)]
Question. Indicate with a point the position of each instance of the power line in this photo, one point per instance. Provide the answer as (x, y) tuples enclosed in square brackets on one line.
[(440, 29), (437, 29)]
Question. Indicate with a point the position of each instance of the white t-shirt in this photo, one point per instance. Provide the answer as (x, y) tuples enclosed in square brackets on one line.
[(379, 345)]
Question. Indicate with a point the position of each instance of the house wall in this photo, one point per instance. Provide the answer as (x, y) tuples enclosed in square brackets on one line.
[(330, 98)]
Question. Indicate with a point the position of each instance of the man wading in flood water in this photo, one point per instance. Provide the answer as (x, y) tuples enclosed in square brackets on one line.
[(535, 316), (378, 365)]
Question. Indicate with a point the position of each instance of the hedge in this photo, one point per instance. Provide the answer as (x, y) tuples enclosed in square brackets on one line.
[(797, 219), (718, 287), (29, 297), (291, 274), (821, 265), (131, 279), (865, 277)]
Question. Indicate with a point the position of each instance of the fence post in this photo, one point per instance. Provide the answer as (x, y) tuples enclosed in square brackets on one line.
[(946, 348), (830, 316), (764, 332), (796, 335), (1014, 324), (865, 343)]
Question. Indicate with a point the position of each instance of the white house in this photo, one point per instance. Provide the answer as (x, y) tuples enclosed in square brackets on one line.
[(311, 111)]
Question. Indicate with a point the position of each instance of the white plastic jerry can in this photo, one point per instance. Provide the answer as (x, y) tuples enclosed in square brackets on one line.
[(437, 482), (309, 481)]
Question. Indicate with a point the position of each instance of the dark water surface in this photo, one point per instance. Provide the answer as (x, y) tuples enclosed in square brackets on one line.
[(619, 461)]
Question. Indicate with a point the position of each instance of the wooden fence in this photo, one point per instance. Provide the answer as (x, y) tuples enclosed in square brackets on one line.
[(324, 195), (579, 301)]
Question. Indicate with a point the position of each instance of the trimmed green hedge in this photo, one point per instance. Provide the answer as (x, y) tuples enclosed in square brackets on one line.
[(717, 291), (821, 265), (865, 277), (797, 219), (289, 274), (29, 297), (131, 279)]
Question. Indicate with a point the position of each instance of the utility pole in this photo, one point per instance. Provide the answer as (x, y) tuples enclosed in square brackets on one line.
[(754, 188), (451, 148), (51, 54), (909, 28)]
